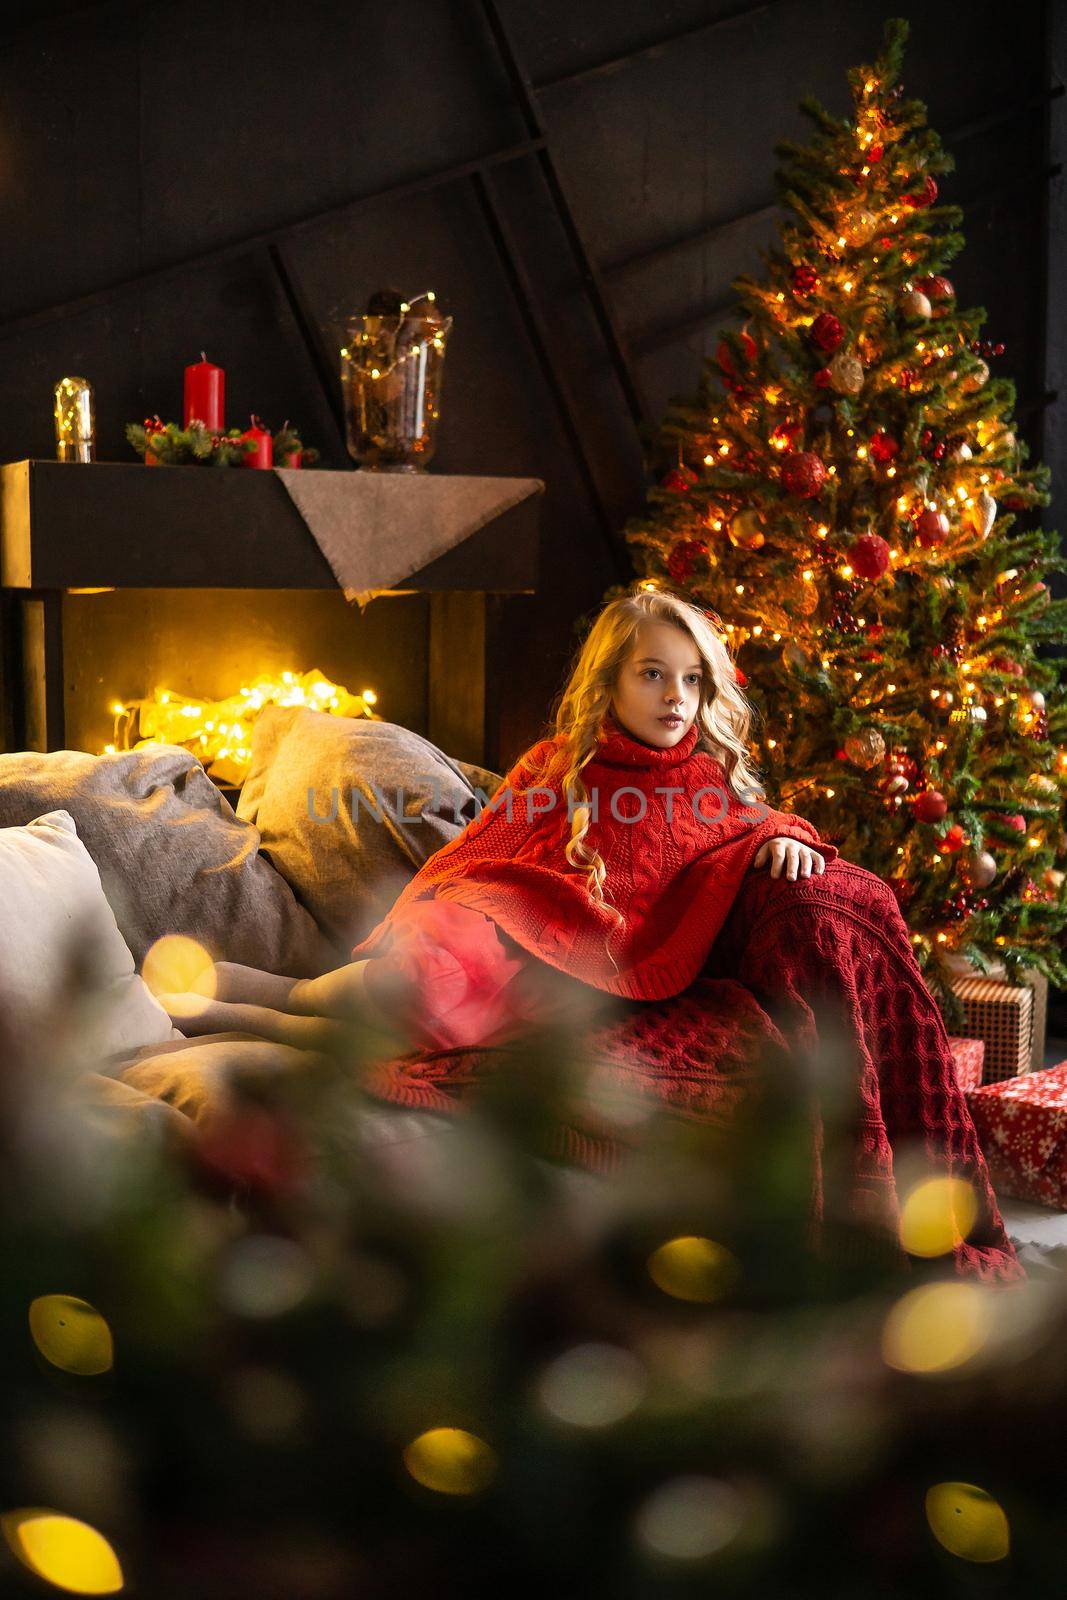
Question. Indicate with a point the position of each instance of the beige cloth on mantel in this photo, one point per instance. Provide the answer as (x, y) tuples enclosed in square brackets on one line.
[(377, 528)]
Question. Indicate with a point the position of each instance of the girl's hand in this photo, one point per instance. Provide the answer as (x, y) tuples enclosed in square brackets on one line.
[(793, 853)]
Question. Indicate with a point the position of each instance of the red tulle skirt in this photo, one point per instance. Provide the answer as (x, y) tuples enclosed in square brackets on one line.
[(451, 977)]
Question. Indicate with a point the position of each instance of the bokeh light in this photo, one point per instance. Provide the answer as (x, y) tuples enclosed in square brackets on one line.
[(937, 1215), (936, 1327), (593, 1385), (181, 969), (967, 1521), (694, 1268), (690, 1519), (450, 1461), (63, 1551), (71, 1334), (264, 1276)]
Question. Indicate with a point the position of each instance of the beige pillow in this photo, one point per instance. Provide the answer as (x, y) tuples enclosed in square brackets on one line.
[(68, 987), (348, 809), (173, 858)]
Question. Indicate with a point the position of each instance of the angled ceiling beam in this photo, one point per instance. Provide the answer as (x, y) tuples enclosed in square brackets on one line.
[(250, 243)]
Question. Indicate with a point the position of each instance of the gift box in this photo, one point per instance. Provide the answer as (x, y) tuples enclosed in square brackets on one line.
[(968, 1058), (1008, 1018), (1022, 1127)]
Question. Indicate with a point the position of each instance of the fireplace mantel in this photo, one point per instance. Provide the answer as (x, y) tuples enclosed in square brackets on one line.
[(65, 527)]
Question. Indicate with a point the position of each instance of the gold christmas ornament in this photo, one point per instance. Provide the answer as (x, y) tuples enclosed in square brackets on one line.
[(1042, 783), (846, 373), (865, 748), (976, 868), (859, 226), (75, 420), (1053, 879), (1036, 699), (969, 713), (913, 303), (963, 452), (976, 377), (803, 598), (983, 514), (745, 531)]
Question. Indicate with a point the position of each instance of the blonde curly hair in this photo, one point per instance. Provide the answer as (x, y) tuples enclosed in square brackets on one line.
[(724, 716)]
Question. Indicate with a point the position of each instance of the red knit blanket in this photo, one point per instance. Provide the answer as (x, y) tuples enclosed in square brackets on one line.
[(816, 978)]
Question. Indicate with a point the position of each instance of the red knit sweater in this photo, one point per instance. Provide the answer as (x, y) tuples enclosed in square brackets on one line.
[(674, 861)]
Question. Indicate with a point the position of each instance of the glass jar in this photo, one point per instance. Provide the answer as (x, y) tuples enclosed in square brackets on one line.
[(391, 371)]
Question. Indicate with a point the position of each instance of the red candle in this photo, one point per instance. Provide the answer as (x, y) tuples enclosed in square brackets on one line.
[(204, 389), (263, 454)]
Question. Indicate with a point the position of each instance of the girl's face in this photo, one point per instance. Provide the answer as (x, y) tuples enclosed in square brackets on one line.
[(658, 690)]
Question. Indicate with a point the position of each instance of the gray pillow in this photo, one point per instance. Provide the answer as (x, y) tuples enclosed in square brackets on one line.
[(349, 808), (172, 855)]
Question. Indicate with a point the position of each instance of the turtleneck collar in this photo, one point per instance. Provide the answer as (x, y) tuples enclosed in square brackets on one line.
[(618, 748)]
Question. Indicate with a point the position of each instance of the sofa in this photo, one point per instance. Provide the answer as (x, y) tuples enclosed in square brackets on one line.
[(112, 863)]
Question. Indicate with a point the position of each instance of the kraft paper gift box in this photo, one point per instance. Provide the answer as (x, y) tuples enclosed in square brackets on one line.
[(1022, 1127), (968, 1057), (1008, 1018)]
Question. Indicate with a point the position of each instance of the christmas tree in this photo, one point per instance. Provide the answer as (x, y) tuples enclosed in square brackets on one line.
[(847, 496)]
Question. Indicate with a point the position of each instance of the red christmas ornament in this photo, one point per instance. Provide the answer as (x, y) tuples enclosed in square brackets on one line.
[(803, 278), (931, 528), (679, 480), (786, 434), (876, 152), (823, 378), (953, 840), (926, 196), (883, 447), (803, 473), (869, 556), (904, 890), (826, 332), (740, 677), (1015, 821), (901, 771), (682, 561), (725, 356), (935, 288), (1006, 664), (930, 805)]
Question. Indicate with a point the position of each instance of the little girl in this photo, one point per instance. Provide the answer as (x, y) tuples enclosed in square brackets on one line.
[(604, 865)]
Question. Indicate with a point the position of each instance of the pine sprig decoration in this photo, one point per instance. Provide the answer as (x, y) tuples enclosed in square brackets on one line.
[(858, 508), (175, 447)]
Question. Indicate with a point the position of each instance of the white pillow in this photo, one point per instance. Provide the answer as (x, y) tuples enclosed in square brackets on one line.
[(67, 978)]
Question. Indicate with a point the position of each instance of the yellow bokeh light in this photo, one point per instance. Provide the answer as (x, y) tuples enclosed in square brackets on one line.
[(450, 1461), (967, 1521), (694, 1268), (71, 1334), (935, 1328), (181, 969), (937, 1215), (63, 1551)]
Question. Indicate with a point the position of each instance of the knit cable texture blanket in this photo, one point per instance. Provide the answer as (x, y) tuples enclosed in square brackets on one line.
[(800, 968)]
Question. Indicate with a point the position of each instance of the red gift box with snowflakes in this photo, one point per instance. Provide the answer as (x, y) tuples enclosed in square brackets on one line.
[(1022, 1127), (968, 1058)]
